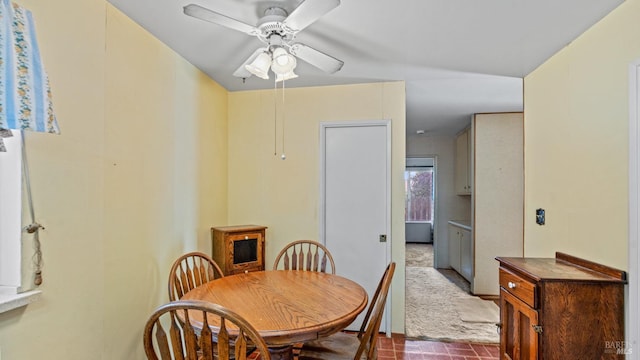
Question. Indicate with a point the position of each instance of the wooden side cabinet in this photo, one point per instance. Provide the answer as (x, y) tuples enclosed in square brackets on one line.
[(238, 249), (560, 308)]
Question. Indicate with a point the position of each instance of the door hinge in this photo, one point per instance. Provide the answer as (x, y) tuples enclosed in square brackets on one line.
[(383, 238), (537, 328)]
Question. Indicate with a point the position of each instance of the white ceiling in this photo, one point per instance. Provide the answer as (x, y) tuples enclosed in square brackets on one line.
[(458, 57)]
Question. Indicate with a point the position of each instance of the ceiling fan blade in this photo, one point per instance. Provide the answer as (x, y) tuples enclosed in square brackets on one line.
[(308, 12), (242, 72), (322, 61), (205, 14)]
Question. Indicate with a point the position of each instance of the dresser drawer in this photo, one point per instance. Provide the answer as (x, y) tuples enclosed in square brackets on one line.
[(518, 287)]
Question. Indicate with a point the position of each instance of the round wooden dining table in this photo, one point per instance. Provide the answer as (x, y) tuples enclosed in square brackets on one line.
[(287, 306)]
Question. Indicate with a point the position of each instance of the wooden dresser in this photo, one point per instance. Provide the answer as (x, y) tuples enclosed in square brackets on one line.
[(560, 308)]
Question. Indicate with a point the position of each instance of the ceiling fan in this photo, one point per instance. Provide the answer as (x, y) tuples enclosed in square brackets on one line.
[(277, 29)]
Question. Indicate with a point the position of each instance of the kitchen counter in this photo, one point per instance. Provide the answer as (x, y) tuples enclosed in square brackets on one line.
[(465, 224)]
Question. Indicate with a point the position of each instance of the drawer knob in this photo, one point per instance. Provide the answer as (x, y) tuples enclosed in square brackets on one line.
[(511, 285)]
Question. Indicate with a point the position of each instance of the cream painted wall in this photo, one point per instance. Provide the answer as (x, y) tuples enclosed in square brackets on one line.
[(165, 172), (137, 177), (66, 177), (576, 143), (284, 195)]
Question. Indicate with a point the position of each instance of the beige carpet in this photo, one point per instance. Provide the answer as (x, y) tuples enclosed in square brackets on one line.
[(419, 255), (433, 312), (478, 310)]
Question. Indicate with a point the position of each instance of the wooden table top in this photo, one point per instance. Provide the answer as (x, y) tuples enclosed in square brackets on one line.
[(287, 306)]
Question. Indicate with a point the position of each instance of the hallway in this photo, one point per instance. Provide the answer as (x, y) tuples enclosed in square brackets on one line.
[(436, 300)]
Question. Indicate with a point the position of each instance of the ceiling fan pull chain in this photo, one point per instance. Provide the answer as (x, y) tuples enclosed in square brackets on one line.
[(275, 117), (283, 120)]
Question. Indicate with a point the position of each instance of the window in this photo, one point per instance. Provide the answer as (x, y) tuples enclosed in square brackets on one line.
[(419, 192), (10, 212), (12, 294)]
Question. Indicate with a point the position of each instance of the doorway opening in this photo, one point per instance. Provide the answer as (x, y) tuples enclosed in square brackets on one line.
[(433, 296), (419, 214)]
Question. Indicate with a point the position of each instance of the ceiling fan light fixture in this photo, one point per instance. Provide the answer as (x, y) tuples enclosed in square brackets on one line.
[(280, 56), (260, 66), (283, 62), (277, 28), (287, 76)]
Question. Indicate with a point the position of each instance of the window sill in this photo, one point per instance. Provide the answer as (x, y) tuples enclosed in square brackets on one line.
[(9, 302)]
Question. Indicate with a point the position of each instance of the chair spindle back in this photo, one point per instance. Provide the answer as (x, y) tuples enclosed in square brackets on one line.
[(306, 255), (199, 330)]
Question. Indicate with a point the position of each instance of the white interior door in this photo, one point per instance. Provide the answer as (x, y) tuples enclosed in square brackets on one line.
[(355, 207)]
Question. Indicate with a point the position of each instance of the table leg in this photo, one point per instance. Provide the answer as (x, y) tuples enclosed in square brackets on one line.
[(281, 353)]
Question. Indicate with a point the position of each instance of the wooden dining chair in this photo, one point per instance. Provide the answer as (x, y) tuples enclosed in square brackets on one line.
[(358, 346), (219, 333), (191, 270), (307, 255)]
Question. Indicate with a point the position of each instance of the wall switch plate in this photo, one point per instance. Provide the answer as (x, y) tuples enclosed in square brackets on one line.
[(540, 216)]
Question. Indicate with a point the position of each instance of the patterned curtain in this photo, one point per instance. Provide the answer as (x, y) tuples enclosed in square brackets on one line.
[(25, 95)]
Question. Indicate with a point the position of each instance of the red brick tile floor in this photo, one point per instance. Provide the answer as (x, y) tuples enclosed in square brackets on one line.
[(399, 348)]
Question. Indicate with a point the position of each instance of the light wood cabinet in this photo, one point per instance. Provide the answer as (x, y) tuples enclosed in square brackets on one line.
[(466, 254), (454, 247), (460, 250), (560, 308), (463, 163), (238, 249)]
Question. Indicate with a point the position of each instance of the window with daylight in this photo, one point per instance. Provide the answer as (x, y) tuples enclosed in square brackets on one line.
[(419, 192), (10, 213)]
